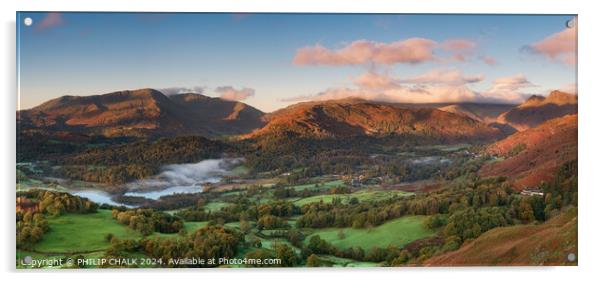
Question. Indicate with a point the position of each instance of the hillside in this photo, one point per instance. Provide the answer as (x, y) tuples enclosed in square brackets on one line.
[(487, 113), (533, 155), (544, 244), (141, 112), (538, 109), (352, 117)]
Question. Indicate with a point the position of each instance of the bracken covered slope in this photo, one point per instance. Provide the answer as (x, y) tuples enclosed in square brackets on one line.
[(548, 243), (345, 118), (534, 155)]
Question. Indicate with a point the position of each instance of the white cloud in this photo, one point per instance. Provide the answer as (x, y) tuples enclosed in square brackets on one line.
[(437, 86), (182, 90)]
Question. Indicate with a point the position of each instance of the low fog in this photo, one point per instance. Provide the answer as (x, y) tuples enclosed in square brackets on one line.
[(184, 175)]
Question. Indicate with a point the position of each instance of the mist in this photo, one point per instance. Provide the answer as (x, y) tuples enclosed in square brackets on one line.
[(182, 178)]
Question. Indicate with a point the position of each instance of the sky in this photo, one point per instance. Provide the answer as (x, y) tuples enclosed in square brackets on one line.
[(273, 60)]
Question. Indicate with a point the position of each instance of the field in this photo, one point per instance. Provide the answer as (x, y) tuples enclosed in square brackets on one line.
[(396, 232), (362, 196), (321, 186), (75, 233)]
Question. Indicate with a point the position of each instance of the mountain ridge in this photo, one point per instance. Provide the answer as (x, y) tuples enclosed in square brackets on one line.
[(142, 112), (363, 118), (538, 109)]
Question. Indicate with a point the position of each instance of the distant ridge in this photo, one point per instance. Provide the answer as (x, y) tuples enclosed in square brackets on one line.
[(143, 112), (538, 109)]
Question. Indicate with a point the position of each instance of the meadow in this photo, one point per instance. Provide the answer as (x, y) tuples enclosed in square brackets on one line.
[(396, 232), (361, 196)]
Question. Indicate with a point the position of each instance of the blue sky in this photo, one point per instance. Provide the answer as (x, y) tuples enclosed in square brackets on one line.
[(255, 58)]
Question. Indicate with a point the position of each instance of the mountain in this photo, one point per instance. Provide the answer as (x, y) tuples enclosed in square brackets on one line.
[(141, 113), (538, 109), (548, 243), (354, 117), (487, 113), (533, 155)]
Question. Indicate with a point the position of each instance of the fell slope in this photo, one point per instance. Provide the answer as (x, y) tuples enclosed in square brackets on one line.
[(141, 112), (534, 155), (345, 118), (544, 244)]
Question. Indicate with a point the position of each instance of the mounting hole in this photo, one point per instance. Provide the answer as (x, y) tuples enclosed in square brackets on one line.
[(571, 257)]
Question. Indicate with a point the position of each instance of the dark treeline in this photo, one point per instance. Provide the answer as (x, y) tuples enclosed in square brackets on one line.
[(36, 145), (118, 164), (286, 151), (172, 150), (268, 215)]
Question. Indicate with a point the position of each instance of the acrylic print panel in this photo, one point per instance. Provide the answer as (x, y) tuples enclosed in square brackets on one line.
[(295, 140)]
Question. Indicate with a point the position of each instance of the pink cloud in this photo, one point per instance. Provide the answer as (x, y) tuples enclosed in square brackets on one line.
[(408, 51), (373, 80), (488, 60), (412, 51), (570, 88), (444, 76), (458, 45), (230, 93), (402, 94), (509, 88), (51, 20), (560, 46), (436, 86)]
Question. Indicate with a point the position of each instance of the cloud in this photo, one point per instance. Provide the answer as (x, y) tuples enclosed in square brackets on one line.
[(570, 88), (299, 98), (458, 45), (51, 20), (229, 93), (403, 94), (412, 51), (511, 83), (560, 46), (408, 51), (182, 90), (488, 60), (444, 76), (373, 80), (436, 86), (509, 88)]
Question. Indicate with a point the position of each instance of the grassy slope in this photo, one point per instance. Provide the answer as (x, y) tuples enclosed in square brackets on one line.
[(324, 186), (396, 232), (364, 195), (82, 233), (548, 244)]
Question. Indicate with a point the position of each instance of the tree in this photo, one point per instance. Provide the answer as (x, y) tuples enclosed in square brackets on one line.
[(313, 261), (245, 227), (286, 254), (525, 212)]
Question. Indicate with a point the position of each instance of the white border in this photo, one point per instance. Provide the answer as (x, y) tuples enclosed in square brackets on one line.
[(590, 122)]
